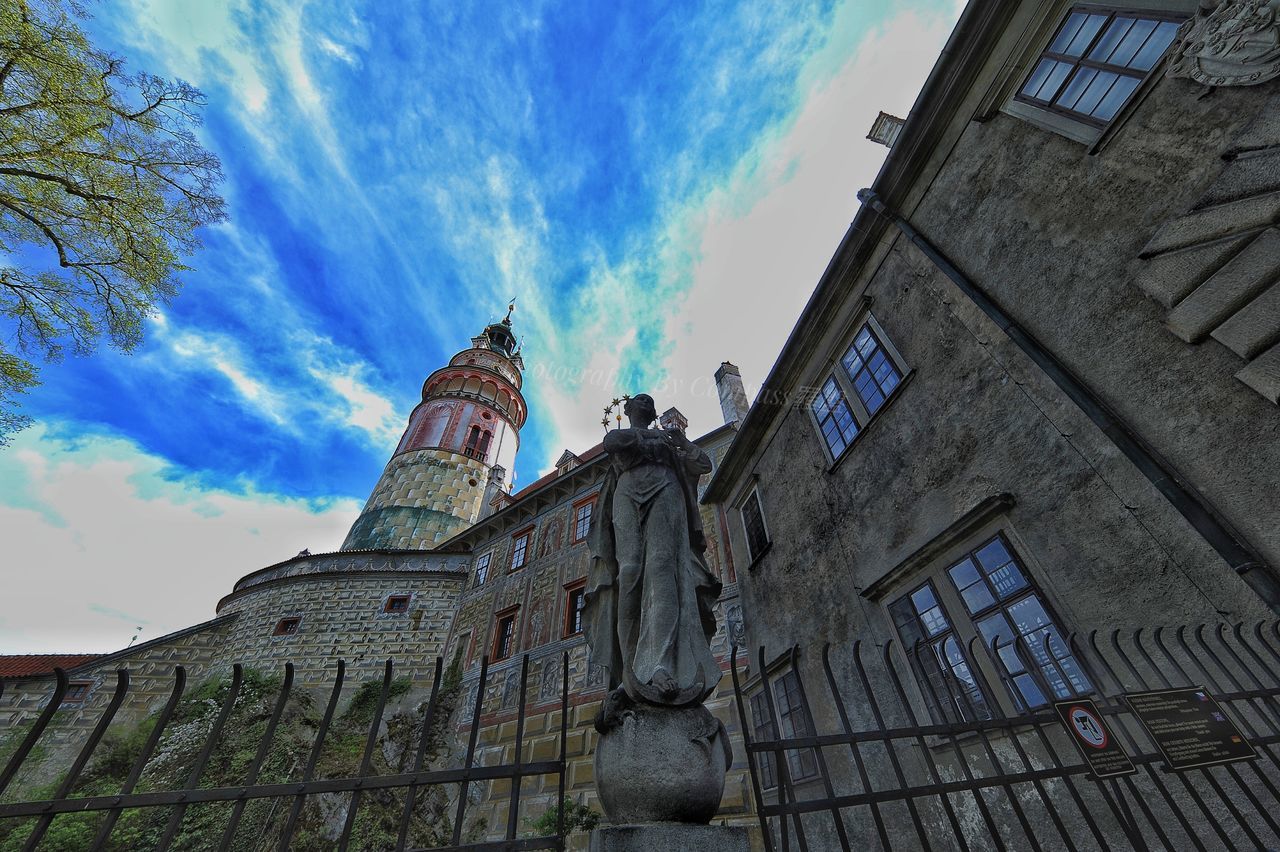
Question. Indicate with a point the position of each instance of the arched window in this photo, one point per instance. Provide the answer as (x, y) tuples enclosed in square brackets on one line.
[(485, 437)]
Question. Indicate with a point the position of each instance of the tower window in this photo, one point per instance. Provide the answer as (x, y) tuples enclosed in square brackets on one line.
[(287, 626), (396, 603), (477, 445), (520, 549), (504, 636)]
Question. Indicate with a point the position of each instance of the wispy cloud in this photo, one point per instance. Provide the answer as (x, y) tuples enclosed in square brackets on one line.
[(133, 545)]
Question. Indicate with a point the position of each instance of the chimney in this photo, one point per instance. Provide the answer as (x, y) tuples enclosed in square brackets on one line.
[(733, 398), (492, 488), (673, 419)]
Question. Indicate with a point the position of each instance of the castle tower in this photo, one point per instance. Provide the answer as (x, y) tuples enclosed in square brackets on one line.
[(460, 444)]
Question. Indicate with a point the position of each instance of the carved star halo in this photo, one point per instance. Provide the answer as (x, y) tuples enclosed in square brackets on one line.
[(614, 410)]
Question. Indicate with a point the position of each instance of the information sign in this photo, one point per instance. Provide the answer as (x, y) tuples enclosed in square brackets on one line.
[(1189, 727), (1097, 745)]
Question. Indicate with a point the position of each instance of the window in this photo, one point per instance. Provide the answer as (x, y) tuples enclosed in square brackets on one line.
[(286, 626), (1096, 61), (396, 603), (477, 445), (802, 764), (575, 600), (582, 520), (870, 371), (504, 636), (835, 420), (77, 690), (873, 373), (520, 549), (1004, 611), (482, 568), (753, 523)]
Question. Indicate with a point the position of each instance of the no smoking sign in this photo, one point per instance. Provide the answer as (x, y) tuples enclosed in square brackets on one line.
[(1093, 739)]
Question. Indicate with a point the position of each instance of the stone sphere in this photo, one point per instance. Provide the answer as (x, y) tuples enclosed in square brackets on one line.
[(662, 764)]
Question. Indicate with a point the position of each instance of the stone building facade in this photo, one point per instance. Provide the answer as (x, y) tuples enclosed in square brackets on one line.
[(1035, 390)]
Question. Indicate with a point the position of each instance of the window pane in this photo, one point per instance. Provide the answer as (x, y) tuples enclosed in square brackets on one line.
[(852, 361), (1110, 39), (1083, 77), (1097, 90), (865, 341), (1132, 42), (1068, 32), (1028, 615), (977, 597), (964, 574), (998, 636), (993, 554), (1114, 99), (1155, 47), (934, 621), (902, 612), (923, 598), (1030, 692), (1054, 81), (1082, 38), (1037, 78)]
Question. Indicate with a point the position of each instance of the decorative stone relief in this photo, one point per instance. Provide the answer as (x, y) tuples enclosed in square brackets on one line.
[(549, 686), (1229, 43), (510, 689), (733, 622)]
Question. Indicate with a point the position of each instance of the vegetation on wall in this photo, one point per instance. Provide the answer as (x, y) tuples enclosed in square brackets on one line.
[(321, 820)]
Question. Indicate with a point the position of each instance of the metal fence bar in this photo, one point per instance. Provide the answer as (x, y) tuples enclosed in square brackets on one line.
[(420, 757), (564, 746), (29, 742), (513, 812), (785, 789), (153, 739), (175, 819), (309, 771), (366, 759), (752, 769), (471, 749), (237, 810), (858, 762), (841, 835), (69, 782)]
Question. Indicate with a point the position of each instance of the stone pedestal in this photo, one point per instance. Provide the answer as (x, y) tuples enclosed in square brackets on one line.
[(670, 837), (661, 765)]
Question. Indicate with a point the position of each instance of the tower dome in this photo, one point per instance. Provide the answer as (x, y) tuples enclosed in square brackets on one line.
[(461, 440)]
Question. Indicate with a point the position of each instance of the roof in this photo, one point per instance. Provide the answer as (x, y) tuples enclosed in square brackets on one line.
[(25, 665), (556, 473)]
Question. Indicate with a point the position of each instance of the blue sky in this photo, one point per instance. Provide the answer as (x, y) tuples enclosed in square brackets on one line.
[(658, 184)]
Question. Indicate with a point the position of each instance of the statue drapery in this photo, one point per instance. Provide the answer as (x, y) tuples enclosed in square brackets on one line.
[(650, 595)]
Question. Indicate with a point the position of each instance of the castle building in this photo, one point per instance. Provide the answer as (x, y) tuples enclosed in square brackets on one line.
[(445, 561)]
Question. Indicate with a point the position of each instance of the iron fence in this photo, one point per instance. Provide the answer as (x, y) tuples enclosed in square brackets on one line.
[(293, 792), (906, 755)]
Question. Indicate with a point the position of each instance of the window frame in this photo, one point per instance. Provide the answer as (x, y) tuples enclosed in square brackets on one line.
[(520, 542), (1073, 125), (754, 556), (280, 630), (482, 570), (802, 763), (991, 673), (588, 503), (572, 615), (85, 687), (408, 603), (836, 370), (509, 615)]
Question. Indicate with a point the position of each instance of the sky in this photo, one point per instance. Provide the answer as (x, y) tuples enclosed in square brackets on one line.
[(658, 185)]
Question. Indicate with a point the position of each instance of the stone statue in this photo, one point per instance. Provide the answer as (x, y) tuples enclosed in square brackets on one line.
[(1229, 43), (650, 595), (661, 756)]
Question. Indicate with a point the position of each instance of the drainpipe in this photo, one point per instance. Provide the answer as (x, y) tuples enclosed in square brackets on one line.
[(1204, 519)]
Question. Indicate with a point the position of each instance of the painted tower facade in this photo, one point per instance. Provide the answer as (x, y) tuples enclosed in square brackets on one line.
[(457, 453)]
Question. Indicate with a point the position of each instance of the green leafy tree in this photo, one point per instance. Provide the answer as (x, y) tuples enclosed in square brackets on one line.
[(103, 185)]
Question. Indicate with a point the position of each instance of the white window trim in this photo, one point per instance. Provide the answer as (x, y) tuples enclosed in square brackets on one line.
[(1065, 125), (835, 368), (488, 567)]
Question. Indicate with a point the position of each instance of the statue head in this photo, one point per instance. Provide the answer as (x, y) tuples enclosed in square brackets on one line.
[(640, 410)]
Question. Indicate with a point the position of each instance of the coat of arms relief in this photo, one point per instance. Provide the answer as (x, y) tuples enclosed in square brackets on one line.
[(1229, 43)]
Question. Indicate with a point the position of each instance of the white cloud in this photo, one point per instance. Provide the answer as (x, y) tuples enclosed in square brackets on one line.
[(102, 536), (756, 247)]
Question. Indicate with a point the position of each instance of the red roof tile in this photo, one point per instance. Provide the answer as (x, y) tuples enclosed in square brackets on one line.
[(26, 665)]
